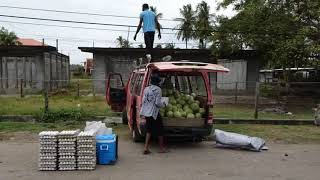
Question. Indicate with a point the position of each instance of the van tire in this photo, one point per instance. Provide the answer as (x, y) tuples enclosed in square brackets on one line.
[(124, 117)]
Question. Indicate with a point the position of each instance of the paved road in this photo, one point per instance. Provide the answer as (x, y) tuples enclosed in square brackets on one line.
[(18, 161)]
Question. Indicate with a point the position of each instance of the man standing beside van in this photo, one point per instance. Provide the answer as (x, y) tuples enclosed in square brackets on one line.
[(151, 104), (150, 22)]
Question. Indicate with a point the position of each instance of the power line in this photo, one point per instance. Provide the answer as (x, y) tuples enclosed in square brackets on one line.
[(66, 21), (122, 25), (74, 27), (73, 39), (76, 12), (85, 22)]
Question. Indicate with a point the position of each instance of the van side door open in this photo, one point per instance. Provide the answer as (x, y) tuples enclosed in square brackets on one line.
[(115, 92)]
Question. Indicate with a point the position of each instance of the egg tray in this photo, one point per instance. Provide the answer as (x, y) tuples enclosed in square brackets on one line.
[(67, 168), (47, 168), (86, 168)]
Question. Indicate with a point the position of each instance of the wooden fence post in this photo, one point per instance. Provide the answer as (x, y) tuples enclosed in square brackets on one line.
[(78, 88), (256, 104), (236, 94), (93, 89), (21, 88), (46, 98)]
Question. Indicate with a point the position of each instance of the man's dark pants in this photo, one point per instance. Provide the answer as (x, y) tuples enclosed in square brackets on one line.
[(148, 40)]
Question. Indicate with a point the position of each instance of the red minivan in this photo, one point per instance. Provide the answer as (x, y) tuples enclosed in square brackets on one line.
[(184, 77)]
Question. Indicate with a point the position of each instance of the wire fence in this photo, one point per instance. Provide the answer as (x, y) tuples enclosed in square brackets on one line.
[(235, 100)]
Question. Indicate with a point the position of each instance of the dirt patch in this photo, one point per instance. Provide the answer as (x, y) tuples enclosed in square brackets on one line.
[(184, 161), (19, 137)]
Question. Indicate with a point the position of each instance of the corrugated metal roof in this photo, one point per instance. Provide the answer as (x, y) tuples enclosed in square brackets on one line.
[(30, 42)]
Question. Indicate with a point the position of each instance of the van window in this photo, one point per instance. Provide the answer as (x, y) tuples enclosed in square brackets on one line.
[(198, 86), (138, 84), (132, 81), (184, 82)]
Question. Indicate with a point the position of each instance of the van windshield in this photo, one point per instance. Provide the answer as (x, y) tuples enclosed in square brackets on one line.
[(185, 83)]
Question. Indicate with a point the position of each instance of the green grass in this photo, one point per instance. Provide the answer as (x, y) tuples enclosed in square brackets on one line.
[(85, 86), (271, 133), (32, 105), (9, 127), (247, 111), (277, 133)]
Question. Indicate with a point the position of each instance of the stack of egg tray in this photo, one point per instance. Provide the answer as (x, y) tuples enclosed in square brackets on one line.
[(86, 151), (48, 154), (67, 143)]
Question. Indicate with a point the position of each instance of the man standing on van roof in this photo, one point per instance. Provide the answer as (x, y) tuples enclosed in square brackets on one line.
[(150, 22)]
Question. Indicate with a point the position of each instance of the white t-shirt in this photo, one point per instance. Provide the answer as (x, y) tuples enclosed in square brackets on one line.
[(151, 101)]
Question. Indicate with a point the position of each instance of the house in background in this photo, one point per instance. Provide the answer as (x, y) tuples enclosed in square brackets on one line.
[(122, 60), (88, 66), (244, 68), (30, 42), (244, 64), (31, 65)]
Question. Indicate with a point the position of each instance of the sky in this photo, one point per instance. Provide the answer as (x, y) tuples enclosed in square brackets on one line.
[(72, 38)]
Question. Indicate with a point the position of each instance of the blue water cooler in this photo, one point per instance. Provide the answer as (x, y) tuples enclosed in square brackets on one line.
[(107, 149)]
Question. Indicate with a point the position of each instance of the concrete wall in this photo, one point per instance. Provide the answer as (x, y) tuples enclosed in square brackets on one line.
[(33, 71), (103, 65), (124, 64), (237, 74)]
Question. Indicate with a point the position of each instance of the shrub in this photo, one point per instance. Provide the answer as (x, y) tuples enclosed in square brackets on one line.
[(62, 115)]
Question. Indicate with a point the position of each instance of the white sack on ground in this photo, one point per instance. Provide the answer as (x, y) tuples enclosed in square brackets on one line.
[(234, 140)]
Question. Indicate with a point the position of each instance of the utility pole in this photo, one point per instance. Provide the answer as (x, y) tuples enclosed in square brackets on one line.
[(57, 45), (128, 33)]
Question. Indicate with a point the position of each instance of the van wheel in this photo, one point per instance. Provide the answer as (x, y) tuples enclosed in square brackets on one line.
[(136, 136), (124, 117)]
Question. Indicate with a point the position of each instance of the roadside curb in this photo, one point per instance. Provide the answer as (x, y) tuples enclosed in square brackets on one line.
[(265, 121), (117, 120)]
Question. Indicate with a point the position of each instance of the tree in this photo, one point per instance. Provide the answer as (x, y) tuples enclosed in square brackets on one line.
[(155, 10), (158, 15), (284, 32), (203, 24), (186, 26), (123, 43), (170, 46), (8, 38), (159, 46)]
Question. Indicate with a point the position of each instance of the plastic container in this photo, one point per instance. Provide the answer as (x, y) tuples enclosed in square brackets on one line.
[(106, 149)]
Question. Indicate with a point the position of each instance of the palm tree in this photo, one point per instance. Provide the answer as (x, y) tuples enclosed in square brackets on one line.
[(203, 25), (123, 43), (8, 38), (158, 15), (170, 46), (186, 25), (154, 9), (159, 46)]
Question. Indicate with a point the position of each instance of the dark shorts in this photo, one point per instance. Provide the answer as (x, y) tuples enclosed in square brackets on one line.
[(155, 127), (148, 40)]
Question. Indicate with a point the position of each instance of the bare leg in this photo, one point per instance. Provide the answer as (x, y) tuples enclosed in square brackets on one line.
[(147, 143), (161, 144)]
